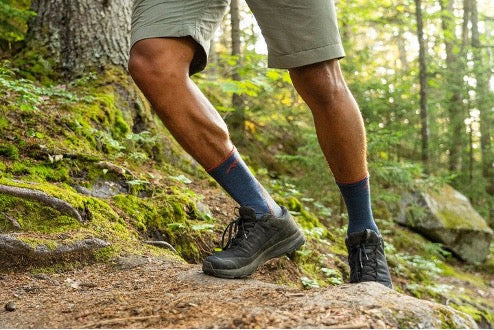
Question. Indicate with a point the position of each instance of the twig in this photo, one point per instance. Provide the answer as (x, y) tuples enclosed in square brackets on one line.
[(119, 320), (162, 244), (115, 168), (42, 197), (13, 221)]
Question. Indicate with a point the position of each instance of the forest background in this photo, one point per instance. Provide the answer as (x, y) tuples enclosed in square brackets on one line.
[(422, 72)]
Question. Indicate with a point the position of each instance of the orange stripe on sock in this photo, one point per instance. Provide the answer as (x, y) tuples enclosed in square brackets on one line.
[(224, 160), (341, 182)]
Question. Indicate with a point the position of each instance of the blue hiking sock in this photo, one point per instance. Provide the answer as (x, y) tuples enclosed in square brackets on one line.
[(358, 204), (235, 177)]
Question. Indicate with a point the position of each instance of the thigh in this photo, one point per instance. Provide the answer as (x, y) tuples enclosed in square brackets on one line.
[(198, 19), (298, 32)]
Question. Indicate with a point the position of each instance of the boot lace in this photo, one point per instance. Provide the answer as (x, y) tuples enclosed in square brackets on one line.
[(237, 231), (365, 261)]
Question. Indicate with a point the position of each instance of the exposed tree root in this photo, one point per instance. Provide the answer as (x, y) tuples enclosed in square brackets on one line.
[(162, 244), (42, 197), (13, 221)]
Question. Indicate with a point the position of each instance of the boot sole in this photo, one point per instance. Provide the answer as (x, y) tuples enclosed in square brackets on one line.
[(286, 246)]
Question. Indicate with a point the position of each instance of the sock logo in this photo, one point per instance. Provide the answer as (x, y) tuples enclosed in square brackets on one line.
[(232, 166)]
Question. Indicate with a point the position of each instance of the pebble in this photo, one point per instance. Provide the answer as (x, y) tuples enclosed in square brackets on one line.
[(10, 306), (41, 276)]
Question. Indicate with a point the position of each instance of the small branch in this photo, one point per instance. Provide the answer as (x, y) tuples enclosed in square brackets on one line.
[(115, 168), (40, 196), (13, 221), (119, 320), (162, 244)]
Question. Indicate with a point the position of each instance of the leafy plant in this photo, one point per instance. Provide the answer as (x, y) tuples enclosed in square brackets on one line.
[(13, 18)]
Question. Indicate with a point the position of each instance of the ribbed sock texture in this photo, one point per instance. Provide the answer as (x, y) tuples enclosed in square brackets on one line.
[(235, 177), (358, 204)]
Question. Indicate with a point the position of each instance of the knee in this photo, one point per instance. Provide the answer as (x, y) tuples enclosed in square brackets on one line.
[(320, 82), (154, 65)]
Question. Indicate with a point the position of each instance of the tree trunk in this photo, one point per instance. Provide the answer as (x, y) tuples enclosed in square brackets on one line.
[(423, 85), (454, 82), (484, 101), (237, 120), (400, 40), (77, 35)]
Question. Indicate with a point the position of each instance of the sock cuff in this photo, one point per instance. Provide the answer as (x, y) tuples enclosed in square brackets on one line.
[(230, 154), (353, 183)]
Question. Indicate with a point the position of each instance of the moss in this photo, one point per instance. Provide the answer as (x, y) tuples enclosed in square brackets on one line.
[(10, 151), (35, 217), (104, 223), (35, 65), (447, 319), (473, 279), (168, 213), (453, 210), (482, 316), (4, 121), (106, 254), (34, 242), (40, 171), (304, 217)]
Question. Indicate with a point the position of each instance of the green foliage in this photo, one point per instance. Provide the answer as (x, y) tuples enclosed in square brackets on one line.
[(13, 19), (26, 96), (9, 151), (309, 283)]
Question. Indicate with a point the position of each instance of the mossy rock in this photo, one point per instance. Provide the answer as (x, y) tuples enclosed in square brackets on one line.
[(445, 215)]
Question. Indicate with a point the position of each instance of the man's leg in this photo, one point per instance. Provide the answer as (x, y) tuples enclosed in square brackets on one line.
[(160, 67), (341, 134)]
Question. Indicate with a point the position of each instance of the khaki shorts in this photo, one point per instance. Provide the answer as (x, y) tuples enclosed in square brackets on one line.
[(297, 32)]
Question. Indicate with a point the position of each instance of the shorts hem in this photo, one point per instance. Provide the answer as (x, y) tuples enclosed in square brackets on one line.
[(306, 57), (174, 31)]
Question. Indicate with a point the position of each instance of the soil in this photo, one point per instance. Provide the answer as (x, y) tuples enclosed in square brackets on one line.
[(145, 292)]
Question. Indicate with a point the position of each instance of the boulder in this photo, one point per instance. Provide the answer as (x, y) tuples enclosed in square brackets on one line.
[(445, 215)]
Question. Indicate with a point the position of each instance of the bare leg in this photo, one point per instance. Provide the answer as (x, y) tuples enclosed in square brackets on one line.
[(339, 125), (160, 67)]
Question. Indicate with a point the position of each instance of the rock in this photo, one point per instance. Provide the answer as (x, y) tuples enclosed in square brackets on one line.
[(41, 276), (203, 208), (102, 189), (10, 306), (87, 244), (131, 261), (447, 216)]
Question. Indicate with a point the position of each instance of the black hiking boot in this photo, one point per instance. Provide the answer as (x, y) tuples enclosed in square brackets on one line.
[(252, 242), (366, 258)]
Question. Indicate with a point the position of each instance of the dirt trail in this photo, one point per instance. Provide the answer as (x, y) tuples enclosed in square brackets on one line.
[(142, 292)]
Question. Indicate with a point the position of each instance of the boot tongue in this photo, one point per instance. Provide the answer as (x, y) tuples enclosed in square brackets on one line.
[(247, 213), (366, 236)]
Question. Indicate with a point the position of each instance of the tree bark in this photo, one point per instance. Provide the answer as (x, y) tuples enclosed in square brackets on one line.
[(77, 35), (423, 86), (484, 100), (454, 82)]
